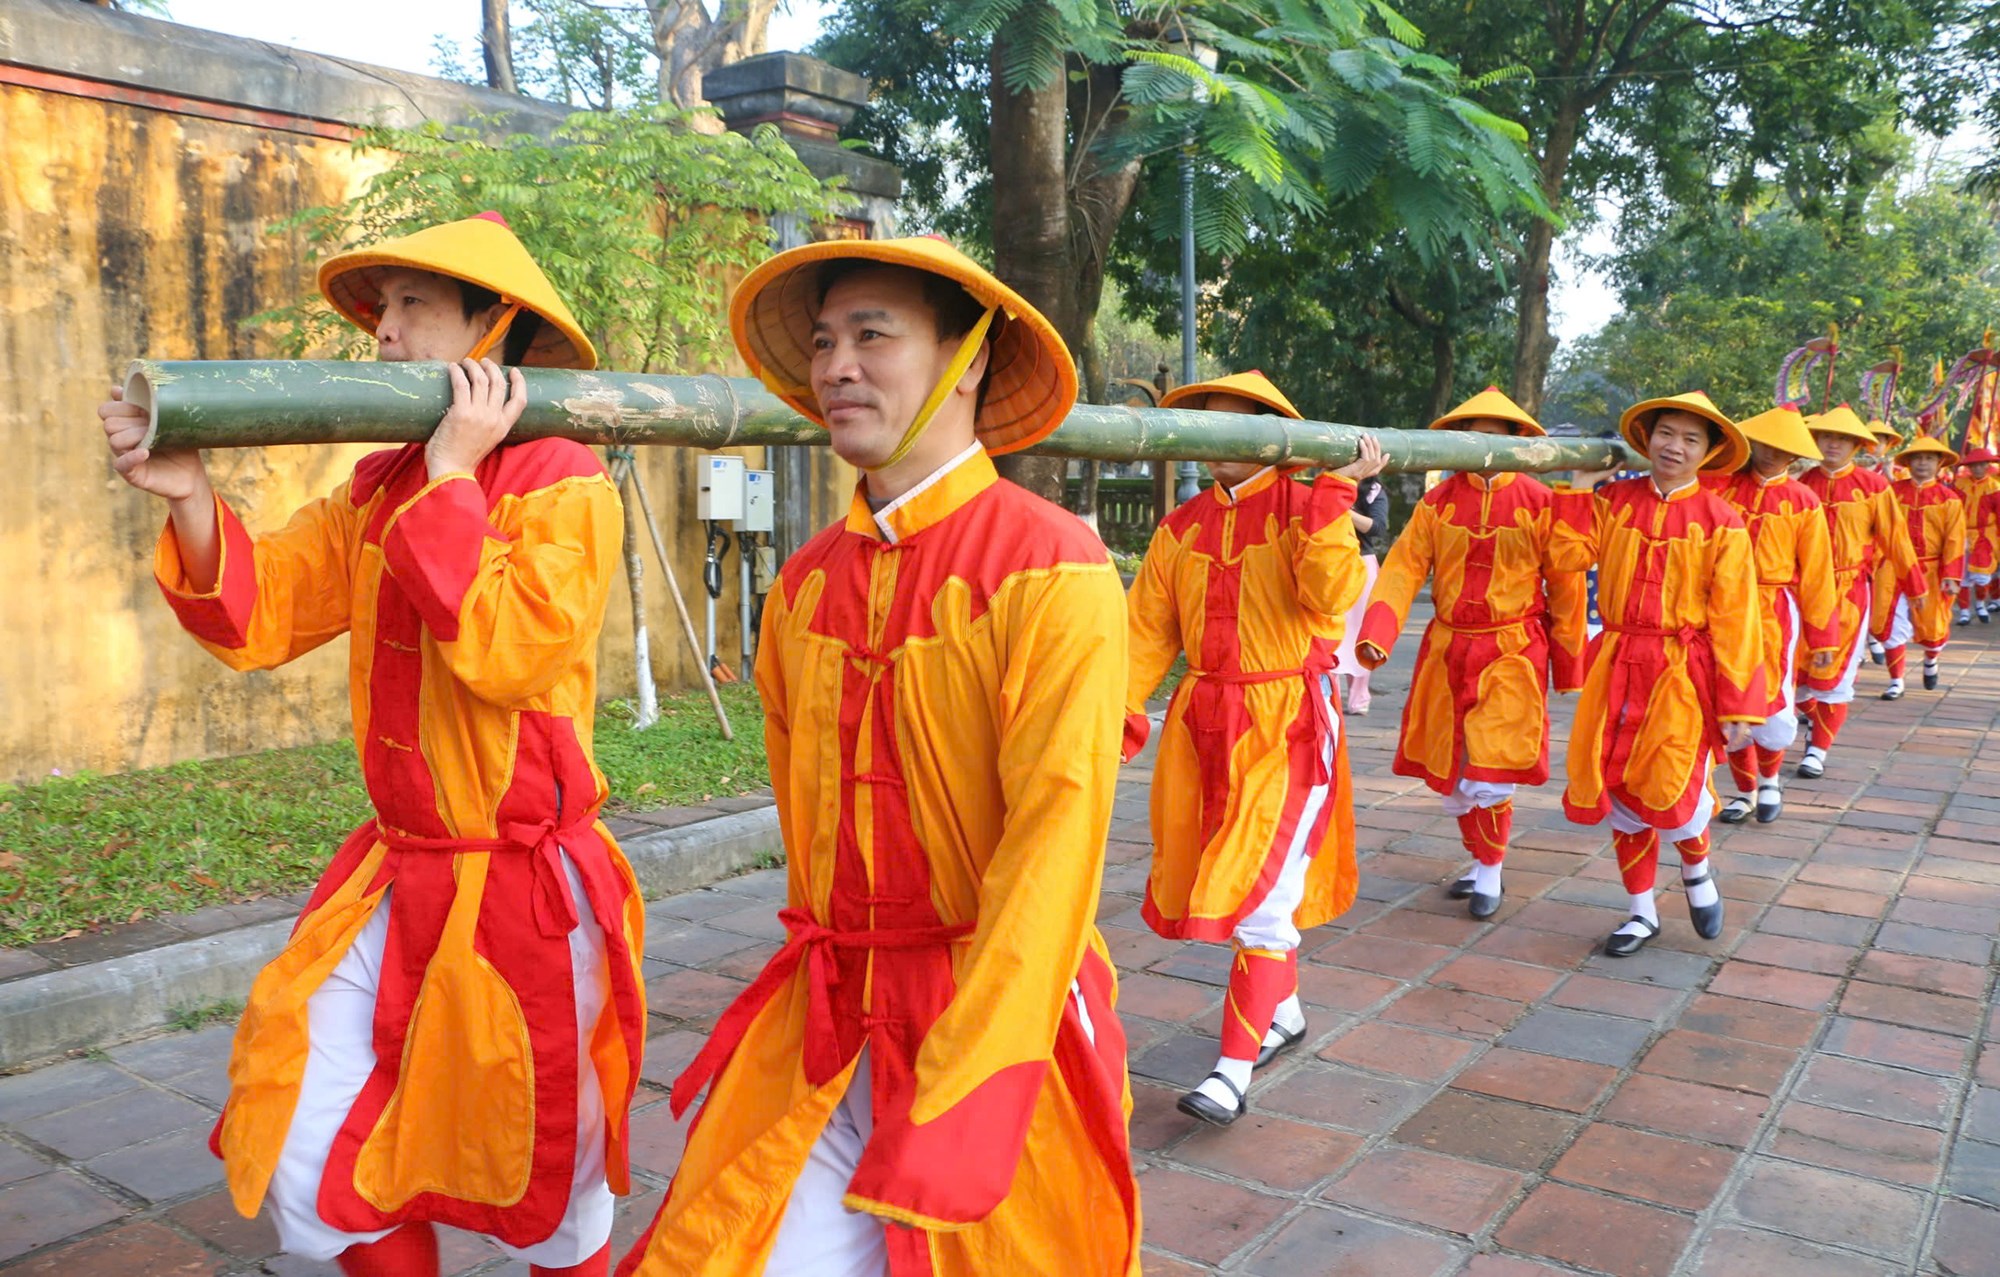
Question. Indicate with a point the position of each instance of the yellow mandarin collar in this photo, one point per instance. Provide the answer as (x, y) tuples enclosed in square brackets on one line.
[(934, 497), (1841, 473), (1681, 493), (1250, 487), (1493, 484)]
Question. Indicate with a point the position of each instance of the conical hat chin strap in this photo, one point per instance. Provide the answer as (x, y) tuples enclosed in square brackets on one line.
[(495, 334), (968, 350)]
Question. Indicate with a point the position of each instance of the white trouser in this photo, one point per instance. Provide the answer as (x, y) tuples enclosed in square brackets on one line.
[(1468, 795), (1782, 728), (1349, 665), (1270, 925), (818, 1236), (341, 1021), (1844, 691), (1978, 578), (1901, 631), (1625, 821)]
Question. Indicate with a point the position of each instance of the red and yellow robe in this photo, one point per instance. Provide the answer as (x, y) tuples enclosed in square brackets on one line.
[(1982, 551), (1866, 527), (1794, 556), (941, 686), (1935, 516), (1254, 585), (474, 608), (1506, 625), (1680, 652)]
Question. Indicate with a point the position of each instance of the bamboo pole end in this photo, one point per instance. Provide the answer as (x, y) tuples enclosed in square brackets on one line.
[(138, 390)]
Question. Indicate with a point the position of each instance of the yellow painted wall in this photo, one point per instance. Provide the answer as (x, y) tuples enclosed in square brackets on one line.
[(130, 231)]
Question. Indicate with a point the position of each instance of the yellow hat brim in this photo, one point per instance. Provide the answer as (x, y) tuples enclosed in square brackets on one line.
[(1490, 403), (1841, 420), (1926, 444), (1030, 376), (1783, 429), (1730, 454), (1254, 386), (479, 251)]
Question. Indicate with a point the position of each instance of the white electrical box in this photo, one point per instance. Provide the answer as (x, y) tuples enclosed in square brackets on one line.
[(720, 497), (757, 501)]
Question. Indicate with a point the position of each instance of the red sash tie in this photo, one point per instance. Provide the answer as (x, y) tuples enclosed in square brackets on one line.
[(555, 908), (809, 942), (1322, 711), (1631, 662)]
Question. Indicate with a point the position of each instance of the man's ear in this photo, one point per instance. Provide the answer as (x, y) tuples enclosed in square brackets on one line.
[(975, 371)]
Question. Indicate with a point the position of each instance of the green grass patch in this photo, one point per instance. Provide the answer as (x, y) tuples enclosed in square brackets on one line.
[(201, 1015), (79, 852)]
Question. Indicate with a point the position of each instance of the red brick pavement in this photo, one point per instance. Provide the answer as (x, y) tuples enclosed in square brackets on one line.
[(1817, 1092)]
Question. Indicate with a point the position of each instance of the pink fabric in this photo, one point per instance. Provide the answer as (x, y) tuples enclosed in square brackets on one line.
[(1350, 668)]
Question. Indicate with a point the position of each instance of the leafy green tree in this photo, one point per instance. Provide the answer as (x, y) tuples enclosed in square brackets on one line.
[(1313, 110), (637, 217), (1714, 299)]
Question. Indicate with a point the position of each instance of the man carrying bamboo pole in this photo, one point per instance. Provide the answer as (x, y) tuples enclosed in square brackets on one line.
[(1865, 528), (1253, 820), (1935, 516), (454, 1031), (1507, 625), (1677, 675), (1795, 597), (928, 1077)]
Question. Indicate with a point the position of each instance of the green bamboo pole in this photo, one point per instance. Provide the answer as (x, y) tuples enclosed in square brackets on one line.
[(259, 403)]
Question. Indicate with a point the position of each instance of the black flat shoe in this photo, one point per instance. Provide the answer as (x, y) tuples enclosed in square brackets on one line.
[(1195, 1104), (1482, 906), (1736, 810), (1707, 919), (1811, 768), (1893, 692), (1287, 1039), (1621, 944), (1769, 809), (1930, 681), (1461, 889)]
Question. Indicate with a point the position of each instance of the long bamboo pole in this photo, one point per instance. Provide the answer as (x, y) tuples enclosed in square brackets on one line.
[(256, 403)]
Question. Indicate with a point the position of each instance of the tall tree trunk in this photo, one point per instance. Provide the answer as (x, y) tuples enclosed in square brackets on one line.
[(497, 38), (1031, 233), (1444, 358), (1534, 344)]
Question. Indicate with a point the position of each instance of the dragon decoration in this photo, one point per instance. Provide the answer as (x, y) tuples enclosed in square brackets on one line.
[(1972, 385)]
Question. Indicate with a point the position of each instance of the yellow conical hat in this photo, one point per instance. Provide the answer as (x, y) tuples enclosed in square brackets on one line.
[(1925, 443), (1730, 454), (1841, 421), (480, 250), (1030, 377), (1784, 429), (1252, 385), (1490, 402)]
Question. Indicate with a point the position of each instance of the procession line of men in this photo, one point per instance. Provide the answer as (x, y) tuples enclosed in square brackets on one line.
[(929, 1076)]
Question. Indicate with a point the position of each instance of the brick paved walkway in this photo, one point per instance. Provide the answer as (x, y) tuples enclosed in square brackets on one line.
[(1817, 1092)]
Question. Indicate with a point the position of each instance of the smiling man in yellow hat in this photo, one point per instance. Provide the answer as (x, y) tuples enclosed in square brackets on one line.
[(1796, 599), (1507, 624), (928, 1077), (453, 1033), (1253, 822), (1677, 676), (1865, 528), (1935, 515)]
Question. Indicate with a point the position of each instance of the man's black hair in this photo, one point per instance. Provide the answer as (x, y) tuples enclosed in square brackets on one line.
[(956, 310), (521, 333)]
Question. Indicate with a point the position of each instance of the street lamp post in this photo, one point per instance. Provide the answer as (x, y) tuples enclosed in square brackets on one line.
[(1183, 42)]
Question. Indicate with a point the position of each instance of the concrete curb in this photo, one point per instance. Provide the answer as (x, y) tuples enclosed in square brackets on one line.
[(99, 1003)]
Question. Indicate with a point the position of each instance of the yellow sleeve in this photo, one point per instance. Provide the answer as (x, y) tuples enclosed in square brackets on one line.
[(1953, 558), (1573, 529), (775, 694), (1893, 536), (276, 597), (1735, 630), (1153, 620), (512, 608), (1404, 571), (1326, 554), (1568, 596)]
